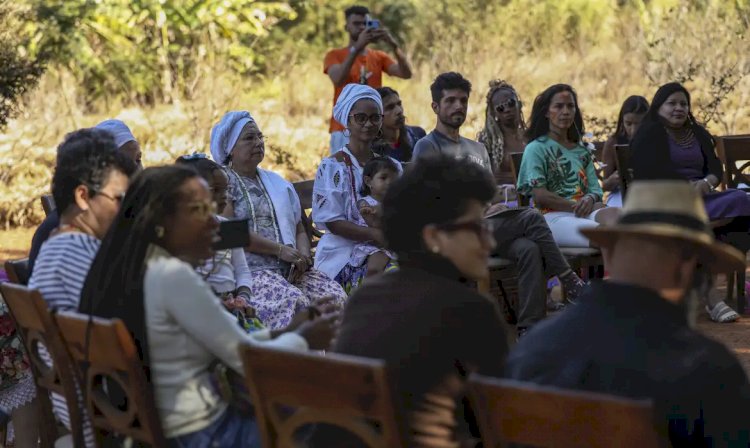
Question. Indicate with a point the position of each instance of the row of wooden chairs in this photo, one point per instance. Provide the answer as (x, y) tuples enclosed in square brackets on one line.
[(349, 392)]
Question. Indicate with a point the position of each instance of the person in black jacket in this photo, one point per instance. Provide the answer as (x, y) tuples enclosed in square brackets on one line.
[(671, 144), (429, 326), (632, 336)]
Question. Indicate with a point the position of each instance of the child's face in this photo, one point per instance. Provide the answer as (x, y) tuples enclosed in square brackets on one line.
[(631, 122), (218, 186), (379, 183)]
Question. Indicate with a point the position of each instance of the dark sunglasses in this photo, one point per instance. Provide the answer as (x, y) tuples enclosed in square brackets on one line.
[(482, 229), (512, 103), (361, 119)]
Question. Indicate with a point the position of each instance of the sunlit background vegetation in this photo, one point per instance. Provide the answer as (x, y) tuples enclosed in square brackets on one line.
[(171, 68)]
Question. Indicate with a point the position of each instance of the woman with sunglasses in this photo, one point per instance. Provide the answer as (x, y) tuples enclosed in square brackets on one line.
[(504, 128), (338, 183), (432, 329), (145, 275), (283, 278)]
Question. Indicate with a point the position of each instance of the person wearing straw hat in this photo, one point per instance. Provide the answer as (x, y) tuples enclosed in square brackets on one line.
[(631, 335)]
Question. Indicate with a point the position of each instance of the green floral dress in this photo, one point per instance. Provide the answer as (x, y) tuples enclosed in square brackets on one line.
[(569, 173)]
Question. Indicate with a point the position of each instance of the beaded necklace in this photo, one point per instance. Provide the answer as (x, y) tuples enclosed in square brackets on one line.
[(251, 207)]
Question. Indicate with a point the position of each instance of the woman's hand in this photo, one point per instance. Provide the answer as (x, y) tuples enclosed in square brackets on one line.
[(584, 206), (291, 255), (320, 331), (370, 215), (702, 187)]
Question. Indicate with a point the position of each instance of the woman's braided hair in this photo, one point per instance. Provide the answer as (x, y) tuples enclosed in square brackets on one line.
[(492, 134)]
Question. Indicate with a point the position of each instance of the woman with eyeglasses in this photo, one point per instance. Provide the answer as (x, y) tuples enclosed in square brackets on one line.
[(145, 275), (283, 278), (504, 127), (90, 180), (558, 172), (338, 185), (432, 329)]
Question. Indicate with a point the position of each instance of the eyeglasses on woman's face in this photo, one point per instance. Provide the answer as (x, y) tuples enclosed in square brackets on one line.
[(202, 209), (362, 119), (483, 228)]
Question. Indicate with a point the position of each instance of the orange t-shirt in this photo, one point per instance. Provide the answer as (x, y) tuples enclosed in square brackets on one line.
[(374, 63)]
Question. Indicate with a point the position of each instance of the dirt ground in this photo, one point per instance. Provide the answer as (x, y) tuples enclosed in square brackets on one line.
[(736, 336)]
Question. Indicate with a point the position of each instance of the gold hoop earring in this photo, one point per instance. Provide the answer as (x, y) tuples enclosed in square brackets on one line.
[(435, 250), (159, 230), (347, 133)]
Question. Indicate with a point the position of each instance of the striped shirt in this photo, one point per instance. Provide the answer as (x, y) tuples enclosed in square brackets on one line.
[(59, 274)]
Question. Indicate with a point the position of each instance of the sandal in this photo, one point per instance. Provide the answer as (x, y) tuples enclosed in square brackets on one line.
[(722, 313)]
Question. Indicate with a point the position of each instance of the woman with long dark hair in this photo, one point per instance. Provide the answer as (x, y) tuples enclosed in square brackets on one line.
[(145, 275), (504, 128), (672, 144), (558, 172), (632, 113)]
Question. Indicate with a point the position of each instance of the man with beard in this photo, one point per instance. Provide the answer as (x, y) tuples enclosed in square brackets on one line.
[(450, 102), (356, 64), (522, 234), (631, 336), (398, 139)]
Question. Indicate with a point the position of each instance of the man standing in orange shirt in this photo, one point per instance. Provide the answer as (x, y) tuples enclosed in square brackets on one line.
[(357, 64)]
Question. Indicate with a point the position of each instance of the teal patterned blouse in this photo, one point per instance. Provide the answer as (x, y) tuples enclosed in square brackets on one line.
[(569, 173)]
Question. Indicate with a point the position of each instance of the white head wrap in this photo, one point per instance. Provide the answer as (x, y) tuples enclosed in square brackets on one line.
[(350, 95), (120, 130), (225, 134)]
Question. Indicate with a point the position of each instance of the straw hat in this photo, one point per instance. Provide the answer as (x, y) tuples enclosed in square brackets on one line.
[(669, 209)]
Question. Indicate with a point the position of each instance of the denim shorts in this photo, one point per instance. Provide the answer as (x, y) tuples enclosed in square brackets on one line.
[(231, 430)]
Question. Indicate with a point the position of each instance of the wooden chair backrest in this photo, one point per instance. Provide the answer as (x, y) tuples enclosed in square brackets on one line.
[(622, 157), (18, 271), (36, 327), (292, 389), (515, 165), (515, 412), (104, 353), (48, 204), (732, 149), (304, 190)]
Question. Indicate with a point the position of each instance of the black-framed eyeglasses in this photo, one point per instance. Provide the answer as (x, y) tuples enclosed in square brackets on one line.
[(361, 119), (483, 228), (118, 198), (511, 103)]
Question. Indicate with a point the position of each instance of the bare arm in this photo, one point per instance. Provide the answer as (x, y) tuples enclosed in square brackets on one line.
[(402, 67), (354, 232), (546, 199), (303, 240)]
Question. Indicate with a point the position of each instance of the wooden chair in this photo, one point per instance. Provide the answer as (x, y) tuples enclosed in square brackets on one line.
[(18, 271), (622, 157), (732, 149), (521, 413), (293, 389), (35, 326), (304, 190), (48, 204), (104, 354)]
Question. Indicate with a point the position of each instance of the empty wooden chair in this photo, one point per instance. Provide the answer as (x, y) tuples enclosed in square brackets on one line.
[(104, 354), (293, 389), (48, 204), (35, 326), (515, 412), (18, 271)]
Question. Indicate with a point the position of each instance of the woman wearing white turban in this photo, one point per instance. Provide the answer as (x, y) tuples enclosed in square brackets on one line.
[(338, 184), (283, 281)]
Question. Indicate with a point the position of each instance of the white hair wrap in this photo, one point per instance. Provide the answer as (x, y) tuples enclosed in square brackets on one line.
[(118, 129), (349, 96), (226, 133)]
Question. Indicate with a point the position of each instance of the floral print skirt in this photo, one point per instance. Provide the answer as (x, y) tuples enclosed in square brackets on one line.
[(276, 300)]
